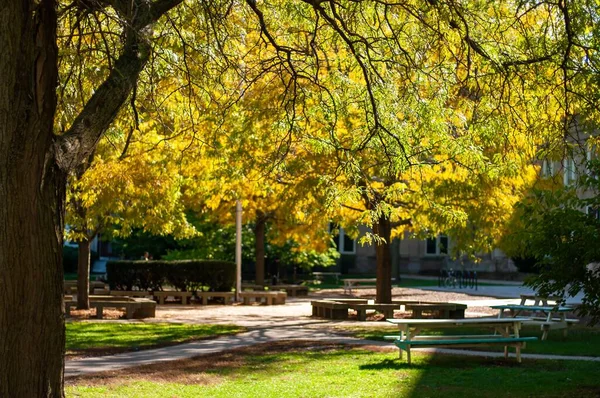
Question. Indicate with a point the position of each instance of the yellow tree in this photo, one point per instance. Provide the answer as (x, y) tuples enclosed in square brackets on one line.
[(309, 46)]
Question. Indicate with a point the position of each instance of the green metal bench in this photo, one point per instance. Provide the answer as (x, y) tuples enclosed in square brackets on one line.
[(464, 341)]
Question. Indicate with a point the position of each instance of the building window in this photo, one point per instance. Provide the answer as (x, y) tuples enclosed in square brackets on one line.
[(569, 172), (343, 243), (547, 168), (436, 246), (593, 212)]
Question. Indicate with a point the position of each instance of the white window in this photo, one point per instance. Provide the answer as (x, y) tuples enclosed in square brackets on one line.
[(343, 243), (569, 171), (547, 168), (590, 154), (436, 246)]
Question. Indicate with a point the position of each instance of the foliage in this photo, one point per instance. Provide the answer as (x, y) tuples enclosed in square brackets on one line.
[(559, 230), (525, 264), (187, 275), (93, 336), (70, 256)]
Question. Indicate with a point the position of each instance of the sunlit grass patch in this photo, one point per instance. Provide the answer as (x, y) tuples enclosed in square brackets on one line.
[(308, 369), (92, 336)]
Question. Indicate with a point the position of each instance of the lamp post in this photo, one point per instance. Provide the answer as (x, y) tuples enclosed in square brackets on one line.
[(238, 249)]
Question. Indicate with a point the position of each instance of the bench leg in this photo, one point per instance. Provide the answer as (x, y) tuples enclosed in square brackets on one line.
[(408, 354), (204, 300), (399, 353), (99, 310), (361, 315), (184, 300), (505, 352), (518, 352)]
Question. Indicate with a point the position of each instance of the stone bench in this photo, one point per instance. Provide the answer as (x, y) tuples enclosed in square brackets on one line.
[(70, 287), (386, 309), (135, 308), (439, 310), (269, 298), (292, 290), (226, 296), (338, 308), (131, 293), (329, 309), (162, 295)]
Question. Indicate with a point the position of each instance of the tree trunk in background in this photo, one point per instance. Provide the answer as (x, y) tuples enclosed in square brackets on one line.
[(83, 275), (259, 238), (32, 192), (384, 261)]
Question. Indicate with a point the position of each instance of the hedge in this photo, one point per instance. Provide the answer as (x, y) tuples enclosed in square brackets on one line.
[(182, 275)]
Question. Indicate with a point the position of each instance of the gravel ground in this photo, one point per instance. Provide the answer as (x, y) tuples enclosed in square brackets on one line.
[(298, 310)]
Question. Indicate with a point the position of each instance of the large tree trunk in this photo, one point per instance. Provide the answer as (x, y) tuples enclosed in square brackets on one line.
[(259, 238), (32, 190), (384, 261), (83, 274)]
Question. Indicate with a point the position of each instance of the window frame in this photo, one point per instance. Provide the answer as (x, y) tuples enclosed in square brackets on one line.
[(438, 252)]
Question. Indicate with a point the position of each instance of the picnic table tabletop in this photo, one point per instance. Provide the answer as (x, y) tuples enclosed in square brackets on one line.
[(520, 307), (455, 322)]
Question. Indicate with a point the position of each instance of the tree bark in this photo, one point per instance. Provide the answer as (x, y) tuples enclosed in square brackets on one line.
[(259, 240), (32, 191), (384, 261), (34, 164), (83, 274)]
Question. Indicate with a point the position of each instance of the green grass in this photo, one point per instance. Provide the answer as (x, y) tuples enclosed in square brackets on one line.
[(340, 372), (95, 336), (580, 340)]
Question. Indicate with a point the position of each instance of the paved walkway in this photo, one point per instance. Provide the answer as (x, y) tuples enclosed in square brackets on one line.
[(257, 336), (268, 324)]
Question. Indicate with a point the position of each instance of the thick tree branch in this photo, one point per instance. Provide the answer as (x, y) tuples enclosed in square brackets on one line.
[(78, 142)]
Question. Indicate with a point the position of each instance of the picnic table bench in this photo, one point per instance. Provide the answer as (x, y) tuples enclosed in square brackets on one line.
[(321, 275), (553, 317), (135, 308), (507, 329)]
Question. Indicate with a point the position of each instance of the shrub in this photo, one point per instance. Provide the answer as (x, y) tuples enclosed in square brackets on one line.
[(186, 275)]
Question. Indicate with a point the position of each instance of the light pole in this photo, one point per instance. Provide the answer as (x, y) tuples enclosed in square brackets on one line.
[(238, 249)]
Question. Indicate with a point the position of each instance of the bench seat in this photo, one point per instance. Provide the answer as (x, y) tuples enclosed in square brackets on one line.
[(466, 341)]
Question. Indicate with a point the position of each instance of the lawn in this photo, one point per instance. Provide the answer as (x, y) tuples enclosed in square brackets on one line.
[(581, 340), (92, 337), (328, 370)]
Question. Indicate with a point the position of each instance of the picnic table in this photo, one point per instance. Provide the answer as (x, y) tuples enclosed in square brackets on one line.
[(358, 283), (548, 317), (321, 275), (506, 329), (539, 300)]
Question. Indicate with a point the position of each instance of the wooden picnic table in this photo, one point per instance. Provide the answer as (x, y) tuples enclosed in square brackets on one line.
[(358, 283), (507, 330), (321, 275), (552, 317)]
